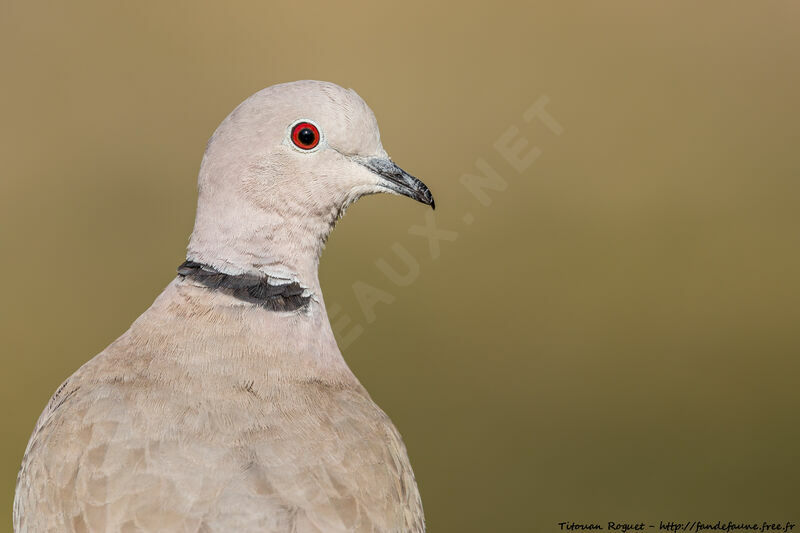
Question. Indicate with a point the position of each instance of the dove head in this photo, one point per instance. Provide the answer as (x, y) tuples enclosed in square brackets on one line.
[(280, 170)]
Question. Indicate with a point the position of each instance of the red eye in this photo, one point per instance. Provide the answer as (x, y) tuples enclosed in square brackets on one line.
[(305, 135)]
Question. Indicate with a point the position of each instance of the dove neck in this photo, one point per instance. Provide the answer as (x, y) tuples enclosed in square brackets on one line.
[(284, 250), (260, 223)]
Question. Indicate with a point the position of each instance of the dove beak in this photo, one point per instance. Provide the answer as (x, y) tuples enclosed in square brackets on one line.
[(398, 180)]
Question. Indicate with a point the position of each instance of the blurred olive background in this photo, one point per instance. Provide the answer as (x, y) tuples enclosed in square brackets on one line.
[(615, 337)]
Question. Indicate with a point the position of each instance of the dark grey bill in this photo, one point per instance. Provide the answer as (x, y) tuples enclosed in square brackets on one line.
[(399, 180)]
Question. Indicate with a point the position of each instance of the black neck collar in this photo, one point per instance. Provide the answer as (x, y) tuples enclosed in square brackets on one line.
[(247, 287)]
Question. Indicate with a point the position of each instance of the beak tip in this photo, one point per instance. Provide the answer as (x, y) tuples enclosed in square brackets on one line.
[(424, 196)]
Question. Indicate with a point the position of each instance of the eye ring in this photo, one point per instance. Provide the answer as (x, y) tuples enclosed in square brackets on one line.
[(305, 135)]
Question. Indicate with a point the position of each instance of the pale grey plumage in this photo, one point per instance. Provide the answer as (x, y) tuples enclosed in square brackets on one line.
[(212, 413)]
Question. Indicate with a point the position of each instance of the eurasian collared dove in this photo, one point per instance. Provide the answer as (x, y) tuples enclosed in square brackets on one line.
[(227, 405)]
